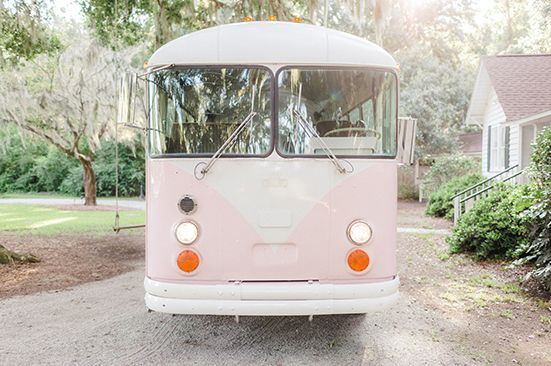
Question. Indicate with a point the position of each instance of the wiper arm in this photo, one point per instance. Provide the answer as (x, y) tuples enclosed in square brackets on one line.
[(313, 133), (227, 143)]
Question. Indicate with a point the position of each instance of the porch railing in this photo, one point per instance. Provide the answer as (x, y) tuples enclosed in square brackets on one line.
[(465, 200)]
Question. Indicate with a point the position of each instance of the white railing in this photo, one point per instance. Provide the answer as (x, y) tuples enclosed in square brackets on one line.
[(465, 200)]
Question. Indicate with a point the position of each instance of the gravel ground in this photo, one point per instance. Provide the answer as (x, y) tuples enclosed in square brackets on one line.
[(451, 312)]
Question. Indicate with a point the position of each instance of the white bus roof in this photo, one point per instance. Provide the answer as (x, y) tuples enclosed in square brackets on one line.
[(270, 42)]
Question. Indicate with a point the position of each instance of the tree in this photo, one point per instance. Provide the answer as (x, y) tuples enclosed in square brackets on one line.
[(23, 34), (67, 100), (128, 22)]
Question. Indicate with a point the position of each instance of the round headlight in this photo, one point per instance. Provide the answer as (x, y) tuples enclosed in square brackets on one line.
[(186, 232), (359, 232)]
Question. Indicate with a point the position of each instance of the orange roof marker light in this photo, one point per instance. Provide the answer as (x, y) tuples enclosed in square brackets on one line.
[(248, 19), (272, 18), (297, 19)]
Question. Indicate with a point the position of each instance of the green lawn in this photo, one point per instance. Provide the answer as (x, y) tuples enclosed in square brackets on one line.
[(35, 195), (51, 195), (44, 220)]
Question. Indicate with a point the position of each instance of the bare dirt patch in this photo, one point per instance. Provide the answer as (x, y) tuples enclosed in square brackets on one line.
[(490, 315), (412, 214), (67, 260)]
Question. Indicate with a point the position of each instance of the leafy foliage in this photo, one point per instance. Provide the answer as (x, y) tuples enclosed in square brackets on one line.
[(440, 204), (447, 167), (31, 167), (539, 215), (440, 109), (23, 34), (39, 167), (131, 171), (130, 22), (495, 227)]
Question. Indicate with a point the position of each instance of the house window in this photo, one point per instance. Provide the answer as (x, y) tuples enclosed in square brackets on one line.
[(498, 148), (494, 148)]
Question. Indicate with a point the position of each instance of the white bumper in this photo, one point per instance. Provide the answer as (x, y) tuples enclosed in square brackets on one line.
[(270, 298)]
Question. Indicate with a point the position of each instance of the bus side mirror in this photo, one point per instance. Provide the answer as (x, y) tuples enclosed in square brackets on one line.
[(127, 87), (407, 128)]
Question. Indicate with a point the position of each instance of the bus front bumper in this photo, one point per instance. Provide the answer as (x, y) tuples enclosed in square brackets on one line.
[(291, 298)]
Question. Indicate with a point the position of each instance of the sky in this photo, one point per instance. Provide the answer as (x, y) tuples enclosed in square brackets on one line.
[(68, 8)]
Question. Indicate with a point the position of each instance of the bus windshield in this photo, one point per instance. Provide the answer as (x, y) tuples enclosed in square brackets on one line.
[(353, 111), (195, 110)]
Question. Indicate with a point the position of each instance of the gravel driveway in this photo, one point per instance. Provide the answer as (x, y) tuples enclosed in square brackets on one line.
[(106, 323), (450, 313)]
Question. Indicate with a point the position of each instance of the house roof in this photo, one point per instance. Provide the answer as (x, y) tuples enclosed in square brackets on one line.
[(522, 84)]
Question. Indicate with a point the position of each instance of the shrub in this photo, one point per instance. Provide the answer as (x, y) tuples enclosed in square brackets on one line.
[(539, 215), (495, 227), (440, 204), (31, 167), (131, 172), (447, 167)]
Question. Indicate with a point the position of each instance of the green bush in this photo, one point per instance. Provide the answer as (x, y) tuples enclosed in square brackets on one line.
[(495, 227), (447, 167), (35, 166), (538, 249), (131, 172), (440, 204), (32, 166)]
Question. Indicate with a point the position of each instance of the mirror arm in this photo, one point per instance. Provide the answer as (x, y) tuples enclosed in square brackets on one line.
[(143, 76)]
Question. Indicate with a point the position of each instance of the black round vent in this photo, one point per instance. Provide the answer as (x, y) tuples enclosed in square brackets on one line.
[(187, 205)]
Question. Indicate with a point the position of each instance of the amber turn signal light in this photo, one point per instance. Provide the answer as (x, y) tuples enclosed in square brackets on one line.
[(188, 261), (358, 260)]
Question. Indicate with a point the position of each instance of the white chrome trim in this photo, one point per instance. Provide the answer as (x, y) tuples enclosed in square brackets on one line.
[(270, 298)]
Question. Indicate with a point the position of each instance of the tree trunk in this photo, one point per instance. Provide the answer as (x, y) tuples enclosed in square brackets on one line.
[(89, 182), (9, 257)]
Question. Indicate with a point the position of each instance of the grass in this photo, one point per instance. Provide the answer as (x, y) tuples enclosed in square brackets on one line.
[(431, 243), (43, 220), (490, 281), (52, 195), (35, 195), (507, 314)]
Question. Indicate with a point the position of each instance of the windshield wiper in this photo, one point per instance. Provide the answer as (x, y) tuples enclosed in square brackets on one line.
[(313, 133), (235, 134), (227, 143)]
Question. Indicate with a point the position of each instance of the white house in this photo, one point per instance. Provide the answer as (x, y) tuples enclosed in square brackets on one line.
[(511, 100)]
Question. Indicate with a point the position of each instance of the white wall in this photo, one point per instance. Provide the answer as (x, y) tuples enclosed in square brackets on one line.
[(514, 145)]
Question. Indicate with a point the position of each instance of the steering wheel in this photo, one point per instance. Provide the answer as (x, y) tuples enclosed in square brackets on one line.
[(351, 130)]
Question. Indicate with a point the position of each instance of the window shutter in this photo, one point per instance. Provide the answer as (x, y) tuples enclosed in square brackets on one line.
[(507, 149), (489, 149)]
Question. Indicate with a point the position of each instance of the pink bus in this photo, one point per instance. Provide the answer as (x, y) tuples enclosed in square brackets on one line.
[(271, 172)]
